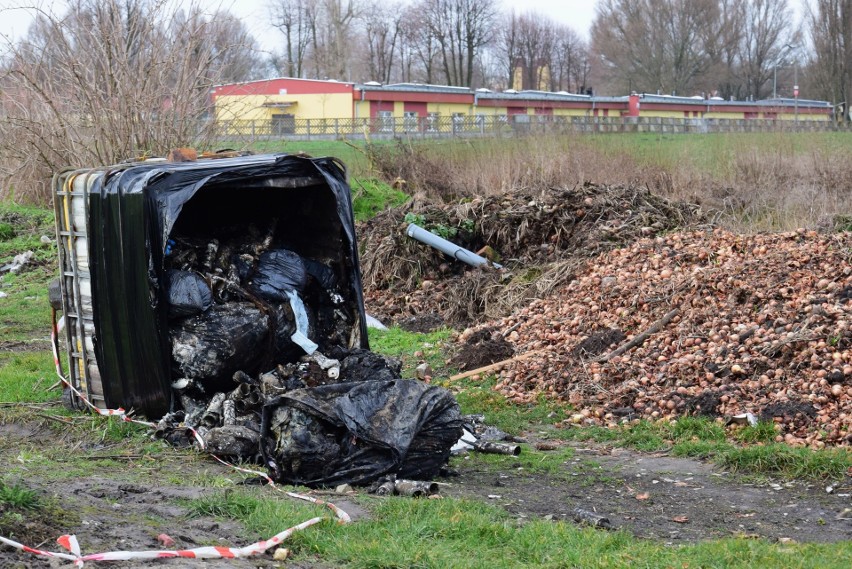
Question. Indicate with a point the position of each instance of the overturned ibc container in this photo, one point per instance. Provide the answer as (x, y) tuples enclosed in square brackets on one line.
[(179, 275)]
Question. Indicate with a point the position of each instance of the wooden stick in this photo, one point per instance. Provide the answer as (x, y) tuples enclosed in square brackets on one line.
[(495, 365), (655, 327)]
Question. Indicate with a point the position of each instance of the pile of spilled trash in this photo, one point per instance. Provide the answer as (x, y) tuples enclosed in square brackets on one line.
[(255, 386), (242, 286)]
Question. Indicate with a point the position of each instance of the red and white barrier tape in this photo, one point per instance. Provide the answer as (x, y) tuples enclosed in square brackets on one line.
[(54, 343), (70, 542)]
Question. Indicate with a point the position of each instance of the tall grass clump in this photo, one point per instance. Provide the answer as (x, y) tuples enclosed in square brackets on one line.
[(749, 181)]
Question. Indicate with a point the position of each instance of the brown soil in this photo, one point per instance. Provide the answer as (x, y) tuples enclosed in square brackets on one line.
[(687, 500), (482, 348)]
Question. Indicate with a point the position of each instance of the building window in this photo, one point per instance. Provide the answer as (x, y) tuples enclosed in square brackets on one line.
[(458, 121), (385, 121), (409, 121), (432, 120)]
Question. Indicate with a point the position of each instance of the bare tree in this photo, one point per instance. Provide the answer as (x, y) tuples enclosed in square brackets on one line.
[(766, 39), (107, 81), (422, 46), (506, 44), (571, 65), (830, 26), (461, 29), (656, 45), (292, 19), (535, 47), (382, 22)]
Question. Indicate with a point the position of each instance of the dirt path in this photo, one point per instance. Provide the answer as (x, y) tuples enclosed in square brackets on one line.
[(672, 499), (126, 506)]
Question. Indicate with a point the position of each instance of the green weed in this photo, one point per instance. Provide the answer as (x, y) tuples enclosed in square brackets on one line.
[(790, 462), (18, 496), (27, 377), (370, 196), (398, 343)]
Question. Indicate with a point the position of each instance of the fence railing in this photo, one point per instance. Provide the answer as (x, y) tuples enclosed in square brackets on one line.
[(501, 125)]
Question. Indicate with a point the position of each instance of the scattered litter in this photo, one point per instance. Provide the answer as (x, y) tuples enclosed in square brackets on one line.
[(391, 485), (494, 496), (591, 518), (643, 496), (18, 263), (744, 419), (373, 322), (680, 519), (449, 248), (480, 437), (3, 294), (423, 371), (45, 240), (281, 554)]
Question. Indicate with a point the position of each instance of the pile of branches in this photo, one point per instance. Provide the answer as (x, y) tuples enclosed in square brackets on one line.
[(540, 237)]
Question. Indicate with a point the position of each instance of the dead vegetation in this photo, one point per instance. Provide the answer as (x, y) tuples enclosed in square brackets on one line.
[(539, 236)]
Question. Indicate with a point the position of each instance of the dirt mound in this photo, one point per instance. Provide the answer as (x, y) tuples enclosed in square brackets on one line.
[(481, 348), (716, 324), (538, 236)]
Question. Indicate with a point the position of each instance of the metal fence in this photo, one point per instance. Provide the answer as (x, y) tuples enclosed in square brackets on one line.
[(500, 125)]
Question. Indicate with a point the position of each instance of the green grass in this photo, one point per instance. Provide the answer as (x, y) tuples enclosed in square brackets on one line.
[(699, 437), (351, 153), (791, 462), (401, 532), (412, 347), (17, 496), (26, 377), (25, 312), (551, 463), (370, 196)]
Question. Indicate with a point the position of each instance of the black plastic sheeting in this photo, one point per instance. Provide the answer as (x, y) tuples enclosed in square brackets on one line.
[(188, 293), (132, 211), (355, 433)]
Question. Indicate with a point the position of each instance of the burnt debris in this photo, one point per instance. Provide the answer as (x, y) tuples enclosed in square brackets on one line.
[(269, 362)]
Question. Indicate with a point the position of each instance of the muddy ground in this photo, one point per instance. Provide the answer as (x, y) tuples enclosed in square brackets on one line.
[(123, 502)]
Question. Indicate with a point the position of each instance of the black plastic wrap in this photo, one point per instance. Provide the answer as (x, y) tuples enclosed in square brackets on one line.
[(188, 294), (133, 209), (279, 272), (356, 433)]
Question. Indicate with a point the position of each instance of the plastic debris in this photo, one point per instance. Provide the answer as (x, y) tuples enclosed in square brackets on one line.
[(591, 518), (18, 263), (373, 322)]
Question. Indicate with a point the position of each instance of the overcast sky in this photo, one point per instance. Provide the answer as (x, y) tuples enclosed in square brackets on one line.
[(577, 13)]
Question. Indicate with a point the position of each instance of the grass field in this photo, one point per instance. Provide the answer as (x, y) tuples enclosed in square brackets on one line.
[(458, 532)]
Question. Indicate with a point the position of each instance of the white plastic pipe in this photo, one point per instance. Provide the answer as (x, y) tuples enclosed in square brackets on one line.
[(418, 233)]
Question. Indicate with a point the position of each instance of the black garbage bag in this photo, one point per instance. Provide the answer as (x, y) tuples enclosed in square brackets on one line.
[(364, 365), (212, 346), (355, 433), (279, 272), (188, 294)]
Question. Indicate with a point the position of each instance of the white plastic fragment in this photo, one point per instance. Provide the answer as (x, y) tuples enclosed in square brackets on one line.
[(745, 418), (374, 323), (300, 337)]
